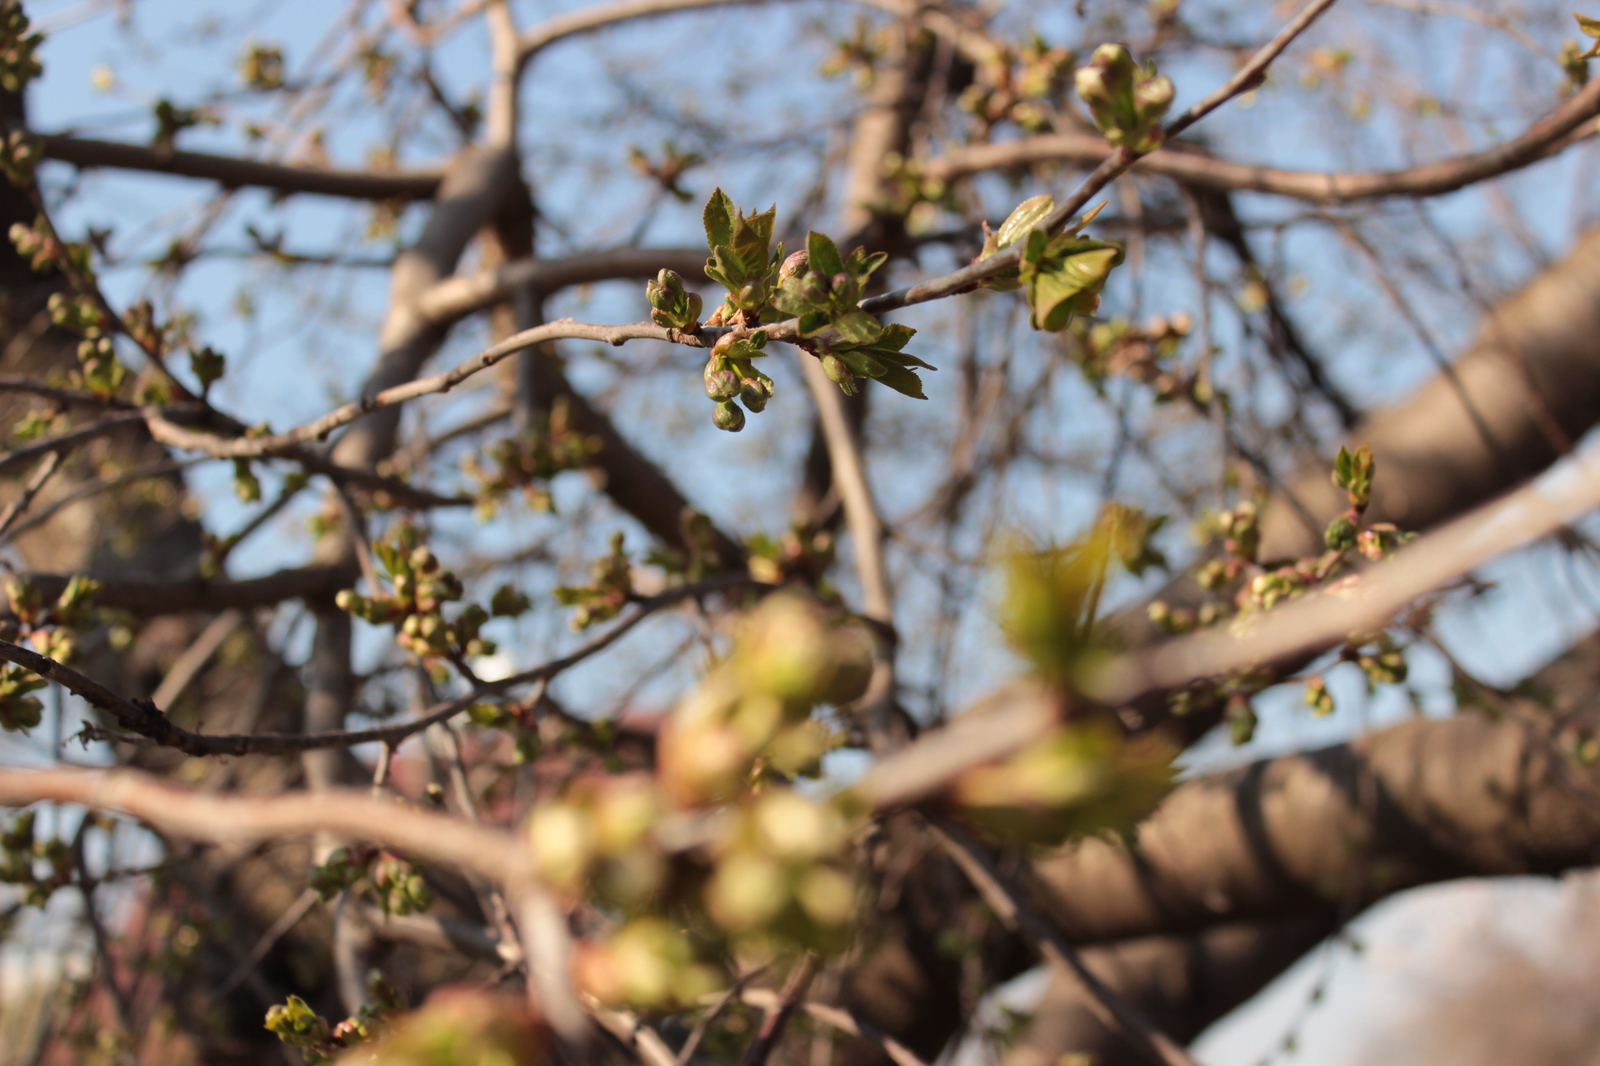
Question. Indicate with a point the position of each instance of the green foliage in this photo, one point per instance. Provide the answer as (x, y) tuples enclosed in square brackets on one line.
[(21, 852), (261, 67), (299, 1026), (1082, 779), (672, 305), (1353, 472), (19, 63), (1127, 103), (818, 286), (421, 588), (208, 365), (742, 259), (1053, 594), (1590, 27), (1064, 276), (530, 461), (608, 591)]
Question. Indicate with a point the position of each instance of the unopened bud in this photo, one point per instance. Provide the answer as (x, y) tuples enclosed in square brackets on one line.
[(721, 384), (728, 416), (797, 263), (754, 396)]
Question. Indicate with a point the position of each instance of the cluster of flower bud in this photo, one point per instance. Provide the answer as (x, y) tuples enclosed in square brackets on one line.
[(1118, 348), (420, 589), (800, 554), (1021, 84), (20, 854), (19, 157), (19, 63), (392, 881), (1317, 696), (299, 1026), (731, 379), (39, 245), (753, 713), (1385, 664), (530, 461), (671, 305), (781, 872), (1127, 103), (609, 589)]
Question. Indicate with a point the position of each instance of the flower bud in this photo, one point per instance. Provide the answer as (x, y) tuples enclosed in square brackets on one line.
[(839, 374), (797, 263), (728, 416), (721, 384), (754, 396)]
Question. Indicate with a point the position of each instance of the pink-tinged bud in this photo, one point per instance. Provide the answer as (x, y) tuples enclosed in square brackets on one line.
[(797, 263), (728, 416)]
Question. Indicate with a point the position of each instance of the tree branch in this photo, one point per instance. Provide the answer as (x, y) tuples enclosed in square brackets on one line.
[(1566, 125), (245, 821), (231, 172)]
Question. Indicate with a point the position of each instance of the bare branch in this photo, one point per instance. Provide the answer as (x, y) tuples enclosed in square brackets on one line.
[(1014, 911), (231, 172), (148, 723), (155, 597), (176, 436), (840, 1019), (1362, 603), (457, 297), (241, 822), (1566, 125)]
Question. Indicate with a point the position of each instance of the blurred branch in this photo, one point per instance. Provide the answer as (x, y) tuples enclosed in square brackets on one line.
[(241, 822), (457, 297), (232, 172), (840, 1019), (1566, 125), (152, 727), (1362, 603), (175, 436), (162, 596), (1009, 906)]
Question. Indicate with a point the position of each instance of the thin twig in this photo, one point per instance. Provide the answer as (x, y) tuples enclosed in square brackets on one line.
[(286, 921), (777, 1016), (718, 1005), (1108, 1004), (150, 726), (840, 1019), (51, 464)]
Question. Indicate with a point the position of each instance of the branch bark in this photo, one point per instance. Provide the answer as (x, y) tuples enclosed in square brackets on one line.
[(1566, 125)]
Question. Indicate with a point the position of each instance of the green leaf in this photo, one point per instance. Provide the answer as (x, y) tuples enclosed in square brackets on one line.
[(902, 381), (1034, 250), (813, 322), (824, 255), (719, 218), (1028, 214), (750, 246), (858, 327), (730, 270), (859, 265), (1589, 26), (901, 358), (860, 363), (894, 337), (1050, 294)]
